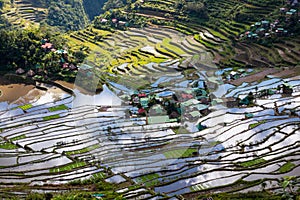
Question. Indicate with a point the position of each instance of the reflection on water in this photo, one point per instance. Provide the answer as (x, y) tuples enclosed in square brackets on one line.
[(14, 95), (12, 92), (105, 98)]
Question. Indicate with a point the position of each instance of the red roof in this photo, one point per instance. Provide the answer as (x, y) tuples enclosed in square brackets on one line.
[(187, 96), (142, 95), (141, 110), (65, 65), (47, 45)]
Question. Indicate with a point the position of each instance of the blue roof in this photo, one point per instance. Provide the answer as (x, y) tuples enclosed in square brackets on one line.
[(165, 93), (98, 195)]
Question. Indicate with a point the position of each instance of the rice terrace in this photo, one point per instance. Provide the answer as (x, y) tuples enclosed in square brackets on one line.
[(149, 99)]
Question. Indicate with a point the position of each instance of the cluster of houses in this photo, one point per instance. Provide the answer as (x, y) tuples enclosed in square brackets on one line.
[(277, 27), (284, 89), (114, 23), (163, 106), (63, 61), (160, 105), (64, 57)]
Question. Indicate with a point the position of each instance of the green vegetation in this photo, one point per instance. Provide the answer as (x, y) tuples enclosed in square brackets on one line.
[(251, 126), (70, 15), (100, 187), (99, 175), (213, 26), (180, 130), (181, 153), (243, 196), (14, 52), (8, 146), (18, 137), (223, 21), (22, 49), (57, 108), (288, 166), (214, 143), (149, 180), (111, 4), (163, 51), (197, 187), (25, 107), (251, 163), (205, 43), (51, 117), (88, 195), (166, 44), (67, 15), (93, 7), (68, 167)]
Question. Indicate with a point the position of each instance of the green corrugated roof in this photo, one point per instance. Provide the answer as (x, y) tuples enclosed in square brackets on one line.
[(158, 119), (201, 106), (249, 115), (144, 102), (189, 102), (195, 113)]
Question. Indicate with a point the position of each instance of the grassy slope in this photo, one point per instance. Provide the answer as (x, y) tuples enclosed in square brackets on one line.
[(220, 32), (70, 15)]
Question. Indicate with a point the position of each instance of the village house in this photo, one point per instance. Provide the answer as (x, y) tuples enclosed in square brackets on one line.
[(20, 71), (231, 102), (30, 73), (104, 20)]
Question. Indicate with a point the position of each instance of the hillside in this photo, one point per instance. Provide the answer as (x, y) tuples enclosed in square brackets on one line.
[(93, 8), (67, 15), (153, 99), (221, 26)]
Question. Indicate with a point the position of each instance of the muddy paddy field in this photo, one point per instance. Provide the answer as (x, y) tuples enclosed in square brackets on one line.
[(50, 138)]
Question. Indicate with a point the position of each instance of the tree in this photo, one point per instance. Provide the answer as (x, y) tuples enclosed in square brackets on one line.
[(112, 4), (288, 183), (196, 8), (79, 56), (1, 4)]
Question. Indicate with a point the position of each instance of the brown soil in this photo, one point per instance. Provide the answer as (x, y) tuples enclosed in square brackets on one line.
[(217, 58), (255, 77), (72, 86), (66, 84), (12, 92), (286, 73)]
